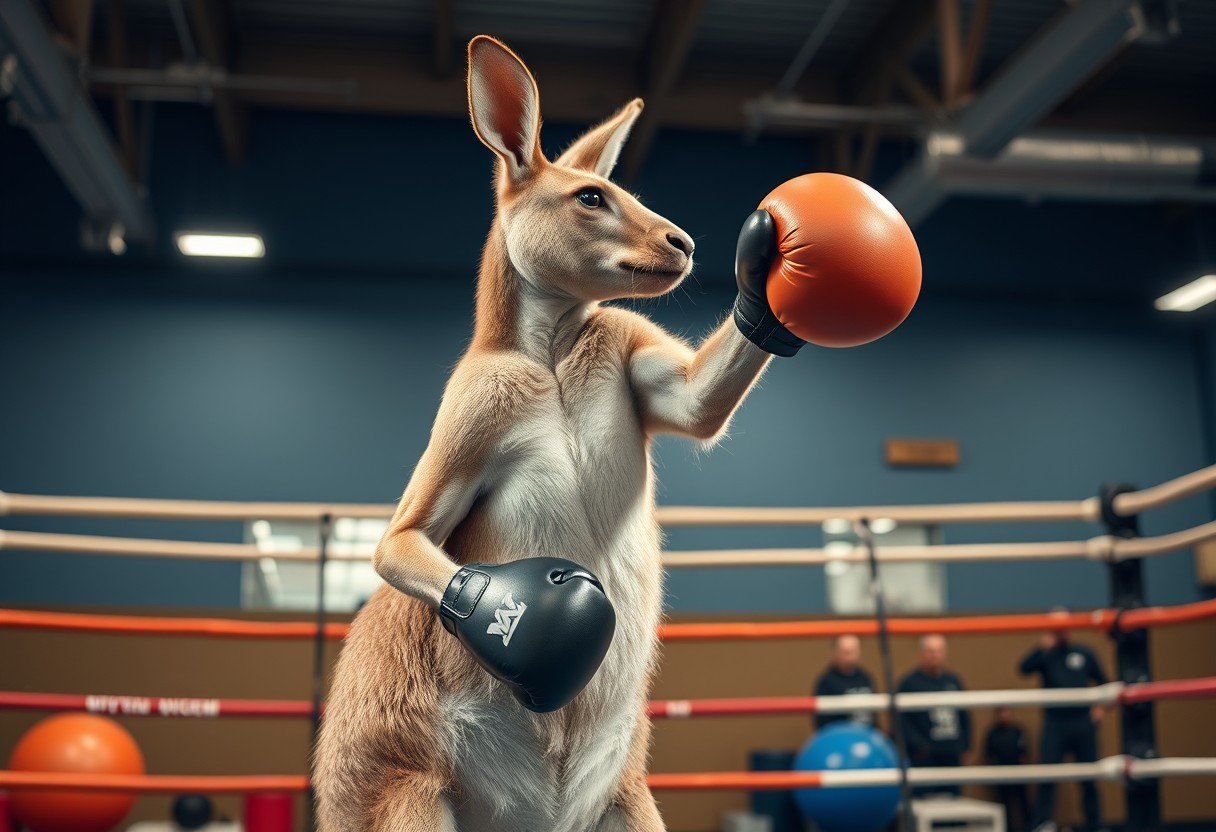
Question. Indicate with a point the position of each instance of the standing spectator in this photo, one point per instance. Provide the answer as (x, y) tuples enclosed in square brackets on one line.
[(843, 676), (1066, 730), (941, 736), (1005, 745)]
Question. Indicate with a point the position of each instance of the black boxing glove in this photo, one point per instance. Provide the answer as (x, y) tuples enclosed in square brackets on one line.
[(753, 256), (540, 625)]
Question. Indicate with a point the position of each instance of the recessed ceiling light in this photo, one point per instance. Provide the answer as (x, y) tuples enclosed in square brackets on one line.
[(1188, 298), (205, 244)]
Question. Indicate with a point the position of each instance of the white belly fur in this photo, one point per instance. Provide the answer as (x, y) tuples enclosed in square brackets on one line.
[(577, 486)]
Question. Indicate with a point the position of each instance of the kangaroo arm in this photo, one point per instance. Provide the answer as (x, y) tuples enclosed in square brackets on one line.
[(448, 478), (694, 393)]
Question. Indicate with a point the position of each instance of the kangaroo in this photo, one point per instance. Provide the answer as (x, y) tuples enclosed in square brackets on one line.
[(541, 447)]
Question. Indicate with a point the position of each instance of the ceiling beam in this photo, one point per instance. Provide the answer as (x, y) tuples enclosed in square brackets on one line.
[(48, 100), (396, 81), (950, 50), (74, 20), (663, 58), (1076, 44), (124, 116), (977, 33), (894, 41), (212, 21)]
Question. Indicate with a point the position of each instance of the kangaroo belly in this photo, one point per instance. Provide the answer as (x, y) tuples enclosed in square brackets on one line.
[(574, 482)]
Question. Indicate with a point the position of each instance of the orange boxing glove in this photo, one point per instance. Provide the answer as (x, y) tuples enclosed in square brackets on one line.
[(846, 268)]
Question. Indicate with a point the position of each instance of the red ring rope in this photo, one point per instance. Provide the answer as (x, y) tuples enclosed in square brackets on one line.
[(153, 784), (963, 625)]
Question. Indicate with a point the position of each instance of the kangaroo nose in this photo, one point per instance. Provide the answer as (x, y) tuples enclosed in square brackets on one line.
[(681, 242)]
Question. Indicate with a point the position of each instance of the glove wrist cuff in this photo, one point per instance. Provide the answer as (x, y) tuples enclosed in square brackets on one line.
[(461, 596), (763, 329)]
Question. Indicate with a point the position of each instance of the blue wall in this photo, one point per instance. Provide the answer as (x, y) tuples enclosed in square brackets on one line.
[(315, 374), (317, 390)]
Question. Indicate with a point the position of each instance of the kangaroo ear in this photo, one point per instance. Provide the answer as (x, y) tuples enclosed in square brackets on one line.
[(504, 106), (597, 149)]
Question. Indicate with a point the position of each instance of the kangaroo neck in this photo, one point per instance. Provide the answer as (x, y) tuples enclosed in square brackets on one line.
[(513, 313)]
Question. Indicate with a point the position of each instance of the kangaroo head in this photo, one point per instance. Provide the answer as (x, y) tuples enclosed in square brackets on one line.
[(568, 230)]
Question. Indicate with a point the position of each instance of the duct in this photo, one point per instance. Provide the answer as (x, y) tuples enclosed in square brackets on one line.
[(784, 112), (1067, 52), (49, 101), (1055, 165), (203, 78)]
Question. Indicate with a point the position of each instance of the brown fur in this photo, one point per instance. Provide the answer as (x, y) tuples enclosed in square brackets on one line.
[(548, 371)]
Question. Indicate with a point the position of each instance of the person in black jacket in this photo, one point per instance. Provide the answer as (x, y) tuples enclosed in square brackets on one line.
[(1005, 745), (1066, 730), (843, 676), (941, 736)]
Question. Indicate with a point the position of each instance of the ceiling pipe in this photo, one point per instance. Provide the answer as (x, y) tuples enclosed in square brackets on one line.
[(1076, 166), (1034, 81), (798, 66), (1068, 51), (49, 101)]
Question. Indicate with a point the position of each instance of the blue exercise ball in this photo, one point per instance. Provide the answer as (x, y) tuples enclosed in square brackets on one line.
[(845, 746)]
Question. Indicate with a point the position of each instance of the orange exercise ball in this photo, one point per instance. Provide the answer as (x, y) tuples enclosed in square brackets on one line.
[(848, 271), (78, 744)]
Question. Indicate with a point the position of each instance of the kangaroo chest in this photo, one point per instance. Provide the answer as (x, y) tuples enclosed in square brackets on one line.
[(575, 469)]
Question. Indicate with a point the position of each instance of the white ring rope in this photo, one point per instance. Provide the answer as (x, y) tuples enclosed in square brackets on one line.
[(1087, 510), (1101, 548), (1138, 502), (1107, 694), (1110, 768)]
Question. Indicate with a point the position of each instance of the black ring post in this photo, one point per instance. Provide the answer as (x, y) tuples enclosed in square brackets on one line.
[(1137, 721), (907, 823), (318, 667)]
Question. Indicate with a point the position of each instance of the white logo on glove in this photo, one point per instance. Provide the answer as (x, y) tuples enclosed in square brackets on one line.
[(506, 619)]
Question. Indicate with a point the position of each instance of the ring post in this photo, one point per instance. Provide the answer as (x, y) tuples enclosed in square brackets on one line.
[(318, 678), (906, 820), (1137, 721)]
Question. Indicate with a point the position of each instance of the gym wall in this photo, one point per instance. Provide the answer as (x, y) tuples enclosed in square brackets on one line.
[(315, 375)]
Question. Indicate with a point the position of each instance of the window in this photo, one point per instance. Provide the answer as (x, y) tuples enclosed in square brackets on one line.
[(907, 587), (272, 583)]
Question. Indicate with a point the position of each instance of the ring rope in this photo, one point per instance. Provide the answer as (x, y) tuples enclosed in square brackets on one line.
[(1113, 693), (1126, 504), (1100, 548), (1110, 768), (1101, 620)]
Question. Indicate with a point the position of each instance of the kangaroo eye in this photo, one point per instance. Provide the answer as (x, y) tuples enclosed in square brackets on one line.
[(590, 197)]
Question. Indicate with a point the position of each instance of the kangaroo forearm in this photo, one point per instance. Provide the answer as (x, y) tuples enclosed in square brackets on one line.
[(408, 561), (720, 376)]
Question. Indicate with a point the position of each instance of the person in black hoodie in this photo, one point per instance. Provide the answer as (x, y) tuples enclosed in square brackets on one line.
[(1066, 730), (941, 736), (843, 676)]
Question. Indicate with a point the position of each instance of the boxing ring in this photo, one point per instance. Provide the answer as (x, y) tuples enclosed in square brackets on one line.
[(1127, 620)]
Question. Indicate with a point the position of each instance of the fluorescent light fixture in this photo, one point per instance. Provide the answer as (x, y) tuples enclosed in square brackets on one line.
[(204, 244), (1188, 298)]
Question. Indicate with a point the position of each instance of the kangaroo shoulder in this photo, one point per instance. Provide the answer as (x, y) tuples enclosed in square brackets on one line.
[(632, 330), (486, 387)]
